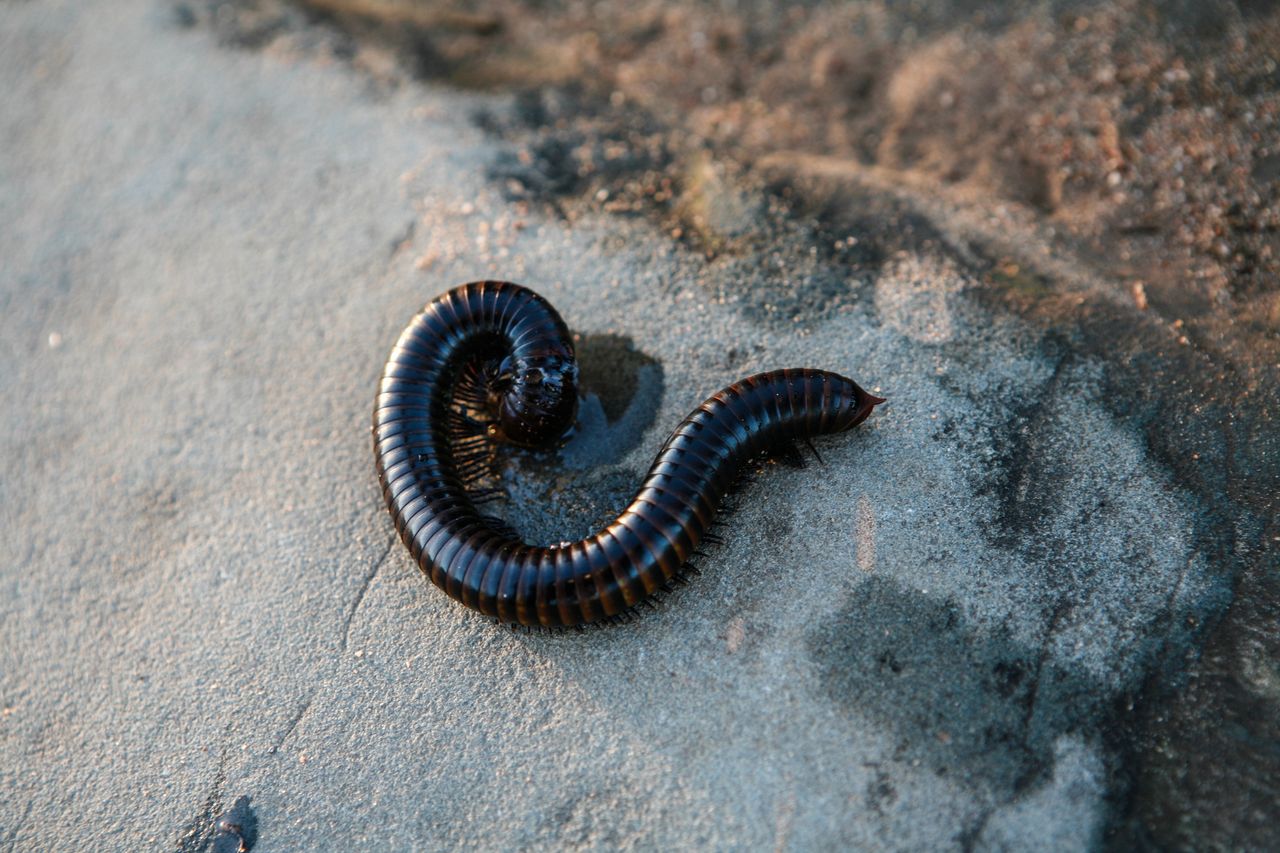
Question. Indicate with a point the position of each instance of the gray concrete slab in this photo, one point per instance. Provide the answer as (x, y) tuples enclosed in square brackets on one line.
[(206, 256)]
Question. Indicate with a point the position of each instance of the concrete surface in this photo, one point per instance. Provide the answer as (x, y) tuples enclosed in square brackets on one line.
[(206, 254)]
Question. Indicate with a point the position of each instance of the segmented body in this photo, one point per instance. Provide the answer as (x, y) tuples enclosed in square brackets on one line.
[(517, 350)]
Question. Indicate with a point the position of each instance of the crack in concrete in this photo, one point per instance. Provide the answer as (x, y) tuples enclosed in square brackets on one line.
[(364, 588), (347, 622), (199, 832), (1033, 689), (293, 724), (16, 833)]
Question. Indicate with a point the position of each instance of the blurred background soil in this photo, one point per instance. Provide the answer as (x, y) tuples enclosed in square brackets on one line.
[(1146, 134)]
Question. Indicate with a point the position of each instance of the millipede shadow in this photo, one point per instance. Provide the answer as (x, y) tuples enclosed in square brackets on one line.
[(622, 389)]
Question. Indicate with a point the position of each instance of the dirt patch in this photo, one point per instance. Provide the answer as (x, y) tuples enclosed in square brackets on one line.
[(957, 695), (1130, 125), (1144, 133)]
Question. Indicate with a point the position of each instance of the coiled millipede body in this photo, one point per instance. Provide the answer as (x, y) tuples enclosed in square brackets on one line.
[(492, 361)]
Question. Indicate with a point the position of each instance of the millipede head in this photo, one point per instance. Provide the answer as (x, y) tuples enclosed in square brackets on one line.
[(540, 399)]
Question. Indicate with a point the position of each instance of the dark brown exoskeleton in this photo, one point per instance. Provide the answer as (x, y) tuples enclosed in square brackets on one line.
[(492, 361)]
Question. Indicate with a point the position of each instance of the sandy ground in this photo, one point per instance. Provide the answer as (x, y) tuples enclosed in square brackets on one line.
[(977, 624)]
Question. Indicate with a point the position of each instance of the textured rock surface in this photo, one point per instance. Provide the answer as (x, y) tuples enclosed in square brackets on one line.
[(981, 621)]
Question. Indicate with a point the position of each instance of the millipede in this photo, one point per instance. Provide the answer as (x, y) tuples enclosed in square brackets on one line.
[(491, 362)]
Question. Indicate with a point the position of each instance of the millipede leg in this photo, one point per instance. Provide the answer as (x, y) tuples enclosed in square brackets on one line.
[(815, 452)]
